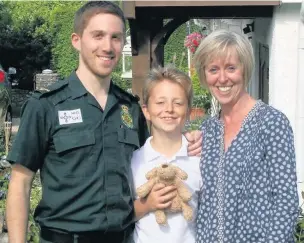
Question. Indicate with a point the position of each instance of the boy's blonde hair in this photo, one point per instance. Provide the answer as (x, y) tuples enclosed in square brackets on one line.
[(220, 44), (172, 74)]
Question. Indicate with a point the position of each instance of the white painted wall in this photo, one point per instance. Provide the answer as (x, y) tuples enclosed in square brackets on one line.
[(286, 89), (299, 135), (284, 59)]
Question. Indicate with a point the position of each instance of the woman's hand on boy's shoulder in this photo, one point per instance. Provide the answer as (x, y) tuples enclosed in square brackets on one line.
[(194, 142)]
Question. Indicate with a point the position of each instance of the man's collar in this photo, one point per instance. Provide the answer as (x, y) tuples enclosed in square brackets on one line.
[(76, 86), (79, 90)]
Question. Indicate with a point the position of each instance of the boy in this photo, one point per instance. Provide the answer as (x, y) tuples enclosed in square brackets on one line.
[(167, 97)]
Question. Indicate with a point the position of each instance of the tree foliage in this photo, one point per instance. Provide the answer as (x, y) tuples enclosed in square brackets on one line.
[(64, 58), (22, 44), (22, 47), (37, 34)]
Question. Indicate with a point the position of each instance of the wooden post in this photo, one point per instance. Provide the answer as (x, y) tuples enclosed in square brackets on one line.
[(7, 132)]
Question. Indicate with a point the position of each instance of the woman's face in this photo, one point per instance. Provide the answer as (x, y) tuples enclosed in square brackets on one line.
[(224, 77)]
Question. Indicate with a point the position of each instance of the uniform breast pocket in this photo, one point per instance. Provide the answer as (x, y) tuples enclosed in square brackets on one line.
[(75, 153), (129, 142)]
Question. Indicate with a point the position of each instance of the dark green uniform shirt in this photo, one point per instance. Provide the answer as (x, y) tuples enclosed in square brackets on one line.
[(83, 153)]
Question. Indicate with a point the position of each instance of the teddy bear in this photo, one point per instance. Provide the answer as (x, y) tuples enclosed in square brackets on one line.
[(168, 174)]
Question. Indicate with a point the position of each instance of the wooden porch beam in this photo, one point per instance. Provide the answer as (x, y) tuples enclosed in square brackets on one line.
[(199, 3), (208, 12), (129, 9)]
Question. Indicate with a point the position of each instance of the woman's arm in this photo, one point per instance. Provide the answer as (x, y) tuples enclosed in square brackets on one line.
[(280, 155)]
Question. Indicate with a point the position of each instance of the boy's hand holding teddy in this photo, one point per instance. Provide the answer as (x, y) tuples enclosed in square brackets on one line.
[(165, 190)]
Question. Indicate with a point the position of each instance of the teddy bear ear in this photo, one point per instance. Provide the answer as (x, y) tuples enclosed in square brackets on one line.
[(151, 174), (180, 173)]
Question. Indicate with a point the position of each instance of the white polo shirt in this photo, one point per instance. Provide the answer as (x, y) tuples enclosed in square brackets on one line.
[(177, 230)]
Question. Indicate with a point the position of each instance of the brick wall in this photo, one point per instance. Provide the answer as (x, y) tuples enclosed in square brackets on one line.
[(45, 80)]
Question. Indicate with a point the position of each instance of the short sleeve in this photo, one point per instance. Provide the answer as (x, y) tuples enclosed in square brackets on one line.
[(31, 141)]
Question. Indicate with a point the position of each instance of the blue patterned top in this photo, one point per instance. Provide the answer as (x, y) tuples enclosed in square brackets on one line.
[(249, 193)]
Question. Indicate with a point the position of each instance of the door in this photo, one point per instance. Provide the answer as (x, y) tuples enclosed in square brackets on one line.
[(264, 73)]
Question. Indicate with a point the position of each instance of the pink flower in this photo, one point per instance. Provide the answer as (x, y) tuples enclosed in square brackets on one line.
[(193, 40)]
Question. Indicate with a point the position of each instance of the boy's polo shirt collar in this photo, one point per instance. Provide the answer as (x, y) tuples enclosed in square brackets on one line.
[(151, 154)]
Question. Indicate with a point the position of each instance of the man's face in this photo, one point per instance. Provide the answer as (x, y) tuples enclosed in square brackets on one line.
[(101, 44)]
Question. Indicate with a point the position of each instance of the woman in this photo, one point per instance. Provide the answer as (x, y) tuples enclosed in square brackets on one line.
[(249, 191)]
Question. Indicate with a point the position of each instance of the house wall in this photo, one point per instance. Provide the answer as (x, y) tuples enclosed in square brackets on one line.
[(260, 35), (285, 37), (300, 105)]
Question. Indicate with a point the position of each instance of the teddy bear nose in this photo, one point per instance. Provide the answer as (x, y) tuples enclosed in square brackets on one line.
[(164, 166)]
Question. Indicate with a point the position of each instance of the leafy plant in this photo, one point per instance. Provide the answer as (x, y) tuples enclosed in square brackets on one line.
[(64, 56), (195, 124), (4, 180), (33, 229), (175, 46), (122, 83), (202, 101), (36, 193), (299, 230)]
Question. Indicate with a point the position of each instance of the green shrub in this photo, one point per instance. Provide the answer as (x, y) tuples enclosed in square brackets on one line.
[(36, 193), (195, 124), (4, 180), (33, 229), (299, 230), (65, 58), (119, 81), (202, 101)]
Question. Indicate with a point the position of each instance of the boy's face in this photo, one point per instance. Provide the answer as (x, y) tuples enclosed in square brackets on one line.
[(167, 108), (101, 43)]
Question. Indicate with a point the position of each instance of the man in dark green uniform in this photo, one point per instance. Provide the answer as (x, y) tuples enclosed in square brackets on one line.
[(81, 135)]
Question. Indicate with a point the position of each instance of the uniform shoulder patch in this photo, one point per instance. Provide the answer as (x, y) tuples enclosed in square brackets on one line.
[(44, 92), (126, 116)]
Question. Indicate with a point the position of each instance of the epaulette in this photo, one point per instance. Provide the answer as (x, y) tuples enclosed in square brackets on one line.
[(124, 94), (44, 92)]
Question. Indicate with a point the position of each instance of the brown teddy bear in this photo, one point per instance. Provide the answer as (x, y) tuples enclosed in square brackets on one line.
[(169, 174)]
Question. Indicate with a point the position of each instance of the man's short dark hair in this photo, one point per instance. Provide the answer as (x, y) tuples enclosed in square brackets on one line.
[(92, 8)]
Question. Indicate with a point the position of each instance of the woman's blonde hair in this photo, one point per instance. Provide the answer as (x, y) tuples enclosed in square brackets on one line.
[(220, 44), (172, 74)]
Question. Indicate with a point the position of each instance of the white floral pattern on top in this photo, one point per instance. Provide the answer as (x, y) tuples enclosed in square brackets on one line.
[(249, 193)]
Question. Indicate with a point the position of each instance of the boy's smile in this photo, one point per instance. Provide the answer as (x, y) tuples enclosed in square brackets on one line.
[(167, 107)]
